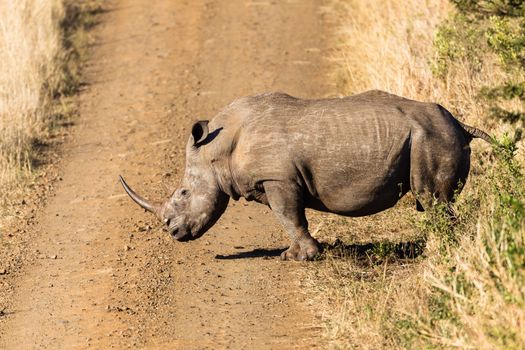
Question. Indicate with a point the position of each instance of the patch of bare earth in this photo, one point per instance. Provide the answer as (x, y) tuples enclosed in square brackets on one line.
[(101, 272)]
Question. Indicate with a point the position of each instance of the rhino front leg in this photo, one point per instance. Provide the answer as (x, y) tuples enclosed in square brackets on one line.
[(286, 202)]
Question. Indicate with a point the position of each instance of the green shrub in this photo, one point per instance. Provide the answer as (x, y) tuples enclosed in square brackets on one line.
[(457, 40), (480, 32)]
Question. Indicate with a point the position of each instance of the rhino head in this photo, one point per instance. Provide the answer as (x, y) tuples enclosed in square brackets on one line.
[(194, 207)]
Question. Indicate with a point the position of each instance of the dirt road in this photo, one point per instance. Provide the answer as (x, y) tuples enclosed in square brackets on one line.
[(104, 273)]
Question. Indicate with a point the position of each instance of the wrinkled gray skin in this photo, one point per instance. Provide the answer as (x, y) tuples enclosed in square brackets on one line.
[(352, 156)]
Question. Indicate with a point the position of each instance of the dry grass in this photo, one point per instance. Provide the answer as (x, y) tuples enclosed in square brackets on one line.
[(387, 45), (448, 297), (30, 40), (41, 47)]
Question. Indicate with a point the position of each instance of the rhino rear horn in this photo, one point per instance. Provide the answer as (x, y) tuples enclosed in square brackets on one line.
[(151, 207)]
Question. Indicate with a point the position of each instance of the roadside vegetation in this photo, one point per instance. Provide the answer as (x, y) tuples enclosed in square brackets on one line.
[(42, 44), (406, 280)]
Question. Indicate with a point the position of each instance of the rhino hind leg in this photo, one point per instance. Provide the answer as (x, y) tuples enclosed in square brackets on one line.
[(438, 175), (285, 200)]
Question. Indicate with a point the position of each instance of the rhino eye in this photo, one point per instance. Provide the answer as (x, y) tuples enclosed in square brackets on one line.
[(184, 193)]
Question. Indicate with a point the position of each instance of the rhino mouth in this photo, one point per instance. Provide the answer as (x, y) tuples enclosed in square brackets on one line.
[(179, 235), (183, 235)]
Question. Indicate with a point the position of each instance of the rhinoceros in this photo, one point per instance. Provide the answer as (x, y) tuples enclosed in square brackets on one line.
[(353, 156)]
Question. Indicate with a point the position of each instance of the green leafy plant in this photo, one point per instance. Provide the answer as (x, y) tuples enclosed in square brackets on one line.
[(482, 30)]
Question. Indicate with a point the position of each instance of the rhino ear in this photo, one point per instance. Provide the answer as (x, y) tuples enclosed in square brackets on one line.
[(199, 132)]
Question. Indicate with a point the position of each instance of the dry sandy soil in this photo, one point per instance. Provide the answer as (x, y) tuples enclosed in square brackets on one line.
[(95, 270)]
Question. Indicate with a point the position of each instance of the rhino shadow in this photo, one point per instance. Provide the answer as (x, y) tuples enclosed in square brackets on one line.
[(366, 252), (374, 252)]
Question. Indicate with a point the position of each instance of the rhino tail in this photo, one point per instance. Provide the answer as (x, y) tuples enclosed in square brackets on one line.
[(473, 133)]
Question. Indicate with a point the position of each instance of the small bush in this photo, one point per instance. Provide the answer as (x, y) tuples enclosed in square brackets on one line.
[(485, 33), (456, 40)]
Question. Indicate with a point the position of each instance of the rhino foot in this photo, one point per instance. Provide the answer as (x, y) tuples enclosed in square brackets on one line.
[(307, 250)]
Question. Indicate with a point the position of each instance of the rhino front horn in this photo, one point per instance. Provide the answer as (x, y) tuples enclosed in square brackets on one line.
[(154, 208)]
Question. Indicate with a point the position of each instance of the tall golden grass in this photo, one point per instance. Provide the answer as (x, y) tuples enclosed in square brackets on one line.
[(387, 45), (30, 41), (373, 300)]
